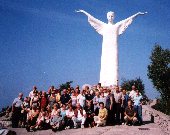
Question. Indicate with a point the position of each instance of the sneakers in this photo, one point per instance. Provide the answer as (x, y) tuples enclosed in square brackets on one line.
[(75, 127), (82, 126), (68, 127), (123, 123)]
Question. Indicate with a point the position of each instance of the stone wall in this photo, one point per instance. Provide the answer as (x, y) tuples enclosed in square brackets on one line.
[(162, 120)]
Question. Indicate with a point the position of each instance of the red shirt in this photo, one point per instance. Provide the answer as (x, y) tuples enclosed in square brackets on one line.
[(43, 102)]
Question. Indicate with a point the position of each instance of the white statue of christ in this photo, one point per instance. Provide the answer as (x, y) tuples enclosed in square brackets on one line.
[(109, 73)]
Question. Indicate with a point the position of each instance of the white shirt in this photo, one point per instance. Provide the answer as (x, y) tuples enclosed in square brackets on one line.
[(69, 113), (31, 94), (81, 99), (105, 94), (132, 94), (79, 114)]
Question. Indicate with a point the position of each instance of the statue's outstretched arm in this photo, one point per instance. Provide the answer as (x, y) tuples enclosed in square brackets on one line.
[(122, 25), (95, 23), (135, 15), (82, 11)]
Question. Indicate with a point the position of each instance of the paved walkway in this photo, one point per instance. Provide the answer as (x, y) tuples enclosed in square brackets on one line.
[(147, 129)]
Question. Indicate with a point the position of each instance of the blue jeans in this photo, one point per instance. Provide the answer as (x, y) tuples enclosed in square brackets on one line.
[(139, 113)]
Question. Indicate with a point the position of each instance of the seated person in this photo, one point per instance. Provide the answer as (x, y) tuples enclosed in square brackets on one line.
[(63, 110), (69, 115), (48, 115), (32, 118), (79, 116), (57, 121), (130, 113), (40, 121), (102, 116), (90, 114), (54, 111)]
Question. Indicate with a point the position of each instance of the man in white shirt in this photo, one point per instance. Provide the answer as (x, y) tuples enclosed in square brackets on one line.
[(81, 99), (79, 116), (133, 92)]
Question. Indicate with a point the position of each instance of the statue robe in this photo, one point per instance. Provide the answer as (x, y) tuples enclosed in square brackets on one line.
[(109, 73)]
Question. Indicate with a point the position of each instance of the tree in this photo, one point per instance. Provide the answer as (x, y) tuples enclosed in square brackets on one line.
[(159, 73), (127, 85), (66, 85)]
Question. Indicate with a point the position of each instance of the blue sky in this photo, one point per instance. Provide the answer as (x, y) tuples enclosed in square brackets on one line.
[(46, 43)]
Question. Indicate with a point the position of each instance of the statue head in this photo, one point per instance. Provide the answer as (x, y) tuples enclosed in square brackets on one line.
[(110, 16)]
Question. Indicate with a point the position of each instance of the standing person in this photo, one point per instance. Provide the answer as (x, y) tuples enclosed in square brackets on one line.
[(34, 100), (52, 88), (65, 98), (132, 93), (102, 98), (109, 107), (44, 100), (125, 104), (49, 93), (96, 101), (98, 86), (101, 89), (138, 101), (89, 98), (81, 99), (31, 93), (105, 91), (130, 113), (25, 110), (58, 97), (74, 100), (118, 96), (69, 92), (39, 97), (52, 99), (77, 91), (16, 109)]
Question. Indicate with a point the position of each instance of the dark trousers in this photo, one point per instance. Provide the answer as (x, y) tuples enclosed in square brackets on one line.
[(16, 117), (89, 120), (110, 117), (122, 114), (117, 111), (69, 122)]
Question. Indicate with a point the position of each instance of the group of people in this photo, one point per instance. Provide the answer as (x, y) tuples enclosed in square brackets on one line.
[(73, 108)]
